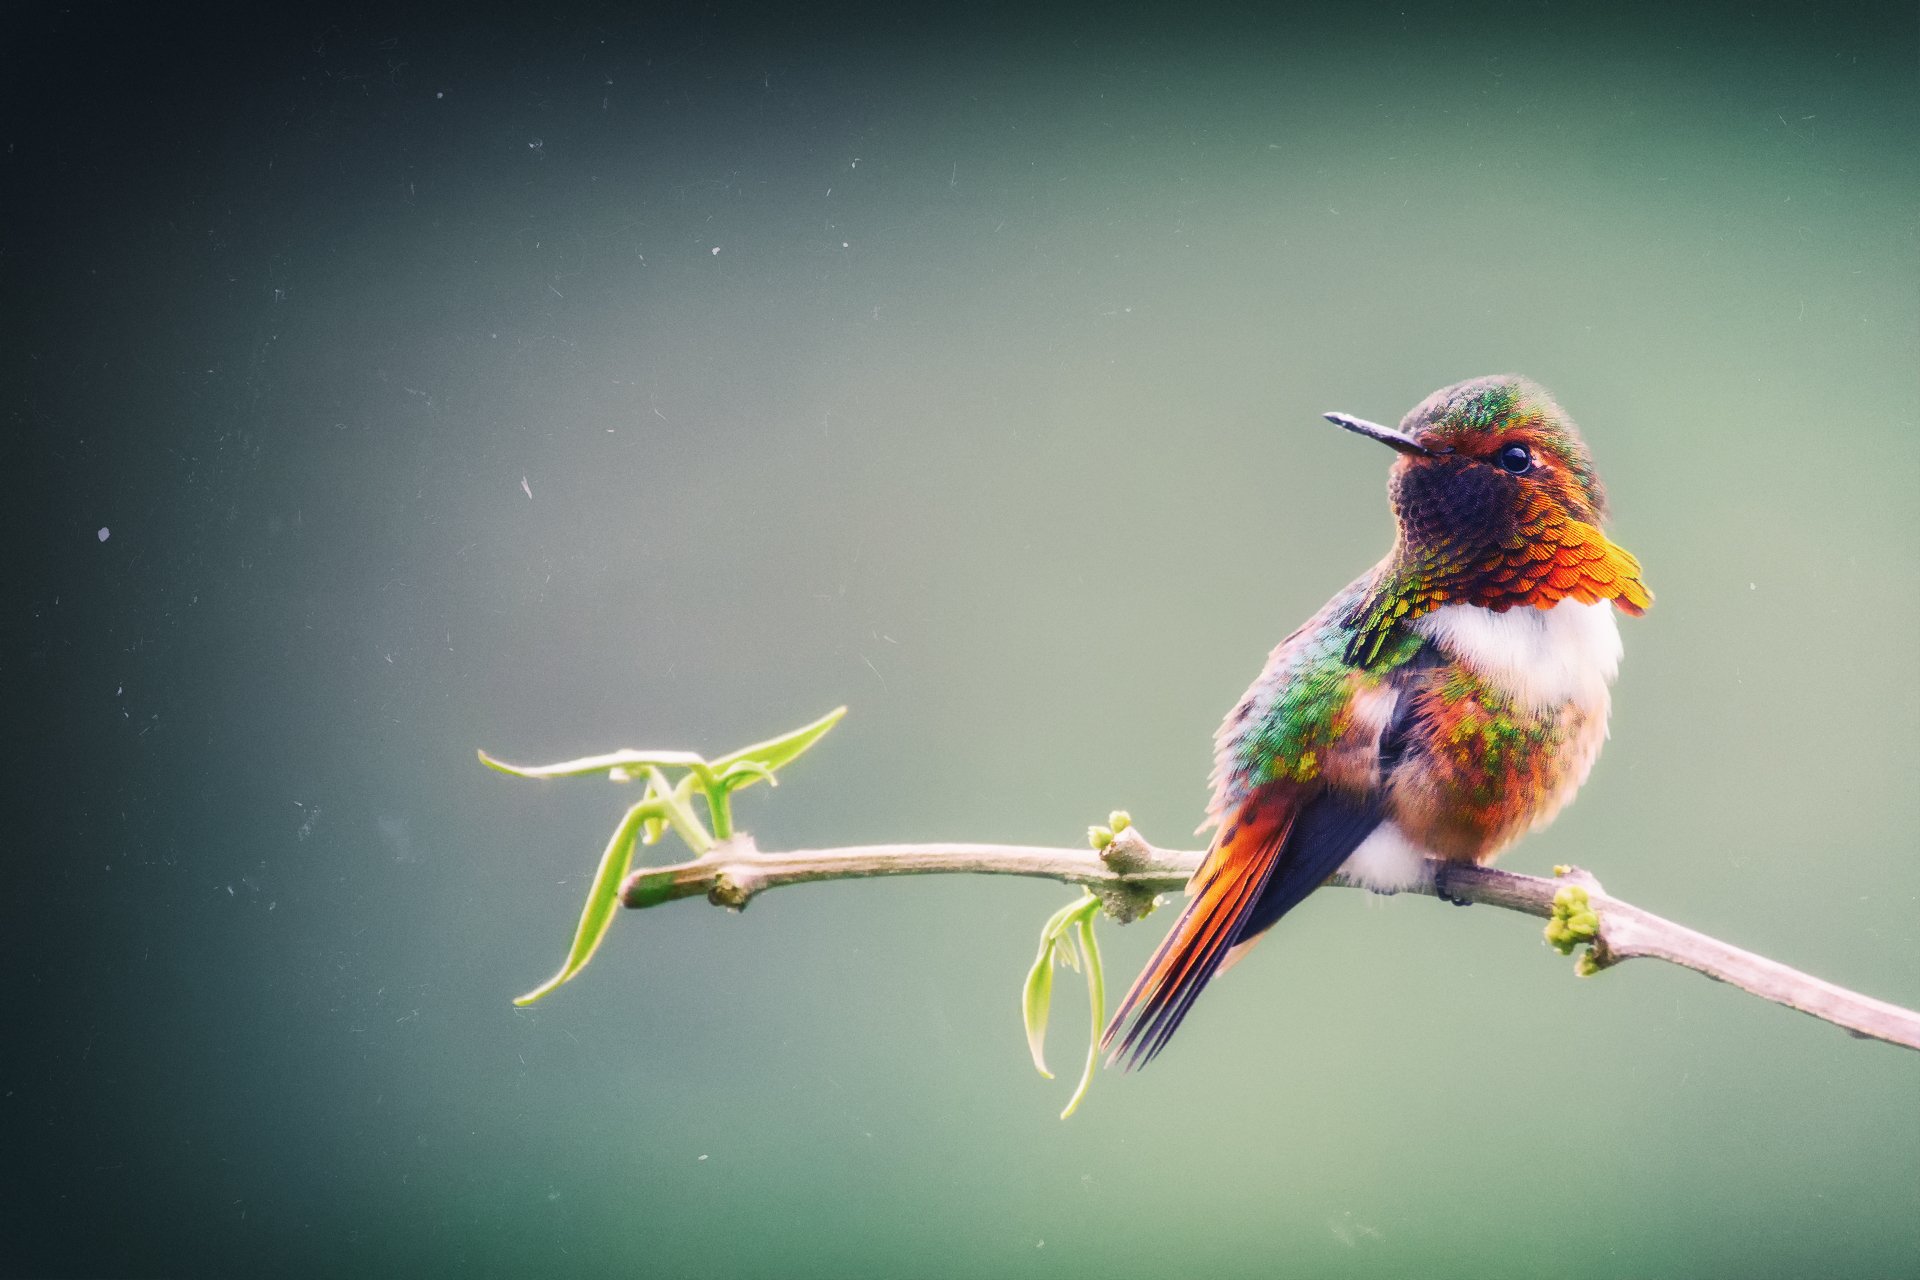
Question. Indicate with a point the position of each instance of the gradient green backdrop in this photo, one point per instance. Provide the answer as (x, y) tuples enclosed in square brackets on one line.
[(967, 371)]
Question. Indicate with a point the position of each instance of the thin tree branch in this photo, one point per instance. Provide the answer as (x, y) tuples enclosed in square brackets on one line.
[(1128, 874)]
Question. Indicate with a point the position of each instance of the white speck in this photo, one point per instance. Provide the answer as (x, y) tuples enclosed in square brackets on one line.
[(843, 244), (703, 1157), (119, 689), (526, 488), (716, 251), (105, 533), (441, 94), (1753, 586)]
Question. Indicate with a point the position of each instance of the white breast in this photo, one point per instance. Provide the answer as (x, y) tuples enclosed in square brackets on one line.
[(1542, 658)]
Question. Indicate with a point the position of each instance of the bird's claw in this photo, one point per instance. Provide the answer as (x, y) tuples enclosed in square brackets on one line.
[(1440, 874)]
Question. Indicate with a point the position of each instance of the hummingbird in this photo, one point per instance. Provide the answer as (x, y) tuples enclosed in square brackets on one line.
[(1449, 700)]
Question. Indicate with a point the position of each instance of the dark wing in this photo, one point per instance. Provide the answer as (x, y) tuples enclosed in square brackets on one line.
[(1279, 844), (1282, 845)]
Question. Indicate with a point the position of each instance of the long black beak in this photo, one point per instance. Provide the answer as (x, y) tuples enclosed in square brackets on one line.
[(1388, 436)]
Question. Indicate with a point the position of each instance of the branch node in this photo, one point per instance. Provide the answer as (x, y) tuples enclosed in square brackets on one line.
[(1127, 852), (737, 847), (1578, 875), (731, 889), (1597, 957), (1125, 901)]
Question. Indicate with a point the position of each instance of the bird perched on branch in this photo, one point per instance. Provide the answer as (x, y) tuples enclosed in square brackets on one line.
[(1451, 699)]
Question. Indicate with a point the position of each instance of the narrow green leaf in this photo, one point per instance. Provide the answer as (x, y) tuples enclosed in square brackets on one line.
[(628, 762), (1037, 996), (1097, 998), (741, 772), (676, 806), (777, 752), (719, 789), (719, 811), (1035, 1002), (603, 898)]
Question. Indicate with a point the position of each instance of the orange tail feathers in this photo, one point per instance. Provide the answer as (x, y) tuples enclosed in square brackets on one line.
[(1221, 894)]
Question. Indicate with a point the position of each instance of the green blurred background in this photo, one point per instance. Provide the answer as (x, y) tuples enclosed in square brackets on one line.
[(966, 370)]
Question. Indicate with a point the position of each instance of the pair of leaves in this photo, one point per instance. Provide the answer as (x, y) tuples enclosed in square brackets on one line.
[(1068, 939), (665, 803)]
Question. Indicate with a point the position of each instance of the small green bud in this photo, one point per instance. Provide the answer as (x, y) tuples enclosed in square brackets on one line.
[(1573, 920), (1119, 820), (1099, 838)]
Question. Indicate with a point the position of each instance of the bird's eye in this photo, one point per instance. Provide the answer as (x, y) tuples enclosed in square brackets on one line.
[(1515, 460)]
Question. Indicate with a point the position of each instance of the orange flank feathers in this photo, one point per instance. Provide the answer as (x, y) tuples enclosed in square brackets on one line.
[(1222, 895)]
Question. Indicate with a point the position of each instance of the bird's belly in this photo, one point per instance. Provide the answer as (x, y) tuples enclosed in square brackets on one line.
[(1483, 782), (1505, 732), (1389, 862)]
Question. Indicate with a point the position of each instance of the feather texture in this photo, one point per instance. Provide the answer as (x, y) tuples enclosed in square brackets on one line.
[(1451, 699), (1222, 894)]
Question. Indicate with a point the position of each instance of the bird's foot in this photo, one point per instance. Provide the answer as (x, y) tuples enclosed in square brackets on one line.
[(1440, 875)]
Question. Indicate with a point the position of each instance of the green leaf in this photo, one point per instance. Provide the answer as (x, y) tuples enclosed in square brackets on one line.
[(719, 790), (625, 762), (1035, 1001), (603, 899), (1037, 997), (741, 772), (777, 752), (1096, 998), (675, 804), (666, 803)]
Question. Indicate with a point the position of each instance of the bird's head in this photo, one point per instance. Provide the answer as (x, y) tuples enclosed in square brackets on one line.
[(1498, 502)]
